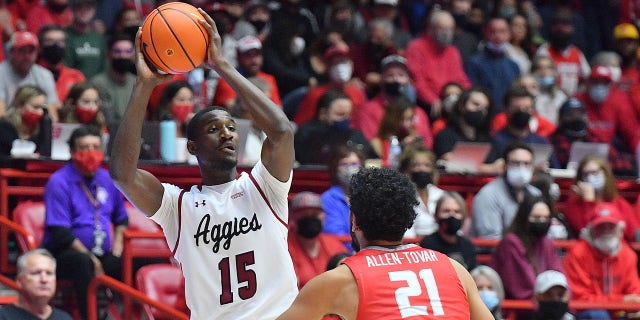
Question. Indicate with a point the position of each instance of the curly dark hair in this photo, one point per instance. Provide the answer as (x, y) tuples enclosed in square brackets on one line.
[(383, 202)]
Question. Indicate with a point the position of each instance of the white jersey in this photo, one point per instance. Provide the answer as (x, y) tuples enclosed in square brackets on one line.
[(231, 241)]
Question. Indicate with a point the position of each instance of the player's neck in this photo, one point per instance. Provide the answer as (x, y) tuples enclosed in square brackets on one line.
[(216, 177), (384, 243)]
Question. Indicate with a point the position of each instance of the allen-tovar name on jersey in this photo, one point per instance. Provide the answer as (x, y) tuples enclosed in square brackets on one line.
[(393, 258)]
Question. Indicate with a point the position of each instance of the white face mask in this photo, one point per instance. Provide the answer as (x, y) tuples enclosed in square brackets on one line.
[(341, 72), (608, 244), (519, 177), (344, 175), (597, 181), (297, 46), (616, 74)]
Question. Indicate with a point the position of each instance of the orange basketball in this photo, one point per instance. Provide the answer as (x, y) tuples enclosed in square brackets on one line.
[(173, 40)]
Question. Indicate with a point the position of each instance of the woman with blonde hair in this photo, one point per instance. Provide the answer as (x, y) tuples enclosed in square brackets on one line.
[(490, 288), (26, 119)]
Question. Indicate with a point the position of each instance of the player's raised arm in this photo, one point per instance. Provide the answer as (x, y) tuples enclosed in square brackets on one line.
[(277, 149), (140, 187)]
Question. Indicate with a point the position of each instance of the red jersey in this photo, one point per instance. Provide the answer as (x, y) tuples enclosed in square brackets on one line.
[(571, 64), (408, 282)]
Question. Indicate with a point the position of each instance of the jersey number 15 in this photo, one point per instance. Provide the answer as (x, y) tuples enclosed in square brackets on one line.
[(243, 274)]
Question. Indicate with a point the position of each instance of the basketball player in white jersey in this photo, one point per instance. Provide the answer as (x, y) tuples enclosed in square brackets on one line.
[(230, 234)]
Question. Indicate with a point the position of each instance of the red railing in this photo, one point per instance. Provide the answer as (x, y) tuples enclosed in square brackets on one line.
[(510, 307)]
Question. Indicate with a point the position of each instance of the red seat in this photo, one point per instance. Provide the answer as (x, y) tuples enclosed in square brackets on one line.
[(31, 216), (160, 282)]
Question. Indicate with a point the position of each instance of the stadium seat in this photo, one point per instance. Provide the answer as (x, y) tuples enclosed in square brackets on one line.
[(30, 215), (160, 282)]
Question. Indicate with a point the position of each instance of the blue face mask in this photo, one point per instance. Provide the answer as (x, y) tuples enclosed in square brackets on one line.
[(490, 298), (342, 124), (599, 92), (546, 82)]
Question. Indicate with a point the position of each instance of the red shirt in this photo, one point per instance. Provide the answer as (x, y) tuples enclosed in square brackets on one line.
[(67, 78), (579, 213), (225, 93), (545, 127), (307, 267), (40, 15), (408, 282), (571, 64), (308, 106)]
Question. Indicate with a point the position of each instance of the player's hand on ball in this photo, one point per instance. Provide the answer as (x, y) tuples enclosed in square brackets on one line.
[(214, 54), (146, 73)]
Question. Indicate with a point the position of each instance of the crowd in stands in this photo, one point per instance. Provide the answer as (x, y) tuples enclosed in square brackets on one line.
[(357, 76)]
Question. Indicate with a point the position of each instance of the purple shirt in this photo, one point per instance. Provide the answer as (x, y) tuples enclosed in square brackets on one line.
[(68, 206)]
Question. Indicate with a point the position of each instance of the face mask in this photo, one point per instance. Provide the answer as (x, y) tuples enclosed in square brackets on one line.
[(309, 227), (497, 49), (85, 116), (608, 244), (474, 118), (546, 82), (560, 40), (450, 225), (297, 46), (392, 88), (552, 309), (121, 65), (31, 118), (554, 191), (597, 181), (421, 179), (344, 175), (444, 38), (355, 244), (599, 92), (258, 24), (52, 54), (539, 229), (56, 7), (88, 161), (575, 128), (180, 111), (449, 103), (519, 177), (342, 125), (489, 298), (520, 119), (341, 73), (616, 74)]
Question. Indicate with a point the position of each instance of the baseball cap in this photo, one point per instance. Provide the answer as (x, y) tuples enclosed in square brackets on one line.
[(605, 213), (249, 43), (387, 2), (305, 200), (571, 104), (335, 51), (600, 72), (626, 31), (22, 39), (549, 279), (393, 59)]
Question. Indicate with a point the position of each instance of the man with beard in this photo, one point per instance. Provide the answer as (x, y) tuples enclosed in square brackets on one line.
[(55, 12), (570, 62), (53, 44)]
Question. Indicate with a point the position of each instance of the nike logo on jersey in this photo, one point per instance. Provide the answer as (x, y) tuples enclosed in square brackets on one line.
[(224, 231)]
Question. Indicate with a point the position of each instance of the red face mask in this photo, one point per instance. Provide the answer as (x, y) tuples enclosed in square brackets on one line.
[(88, 161), (180, 111), (85, 116), (31, 118)]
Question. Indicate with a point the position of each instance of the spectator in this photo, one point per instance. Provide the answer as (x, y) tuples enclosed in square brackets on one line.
[(610, 60), (330, 128), (527, 248), (340, 72), (82, 203), (433, 61), (451, 213), (54, 45), (550, 97), (310, 249), (595, 184), (250, 62), (54, 12), (388, 10), (83, 106), (519, 109), (609, 112), (469, 121), (571, 64), (255, 22), (87, 49), (491, 68), (116, 83), (395, 83), (291, 14), (367, 56), (36, 280), (490, 288), (495, 205), (552, 296), (449, 96), (517, 49), (21, 69), (465, 38), (420, 165), (26, 119), (626, 41), (127, 21), (601, 266), (345, 161), (176, 103)]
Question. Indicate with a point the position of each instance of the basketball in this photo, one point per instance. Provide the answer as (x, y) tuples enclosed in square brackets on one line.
[(173, 40)]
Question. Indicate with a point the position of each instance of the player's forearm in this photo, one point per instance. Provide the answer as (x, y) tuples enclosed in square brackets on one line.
[(126, 145)]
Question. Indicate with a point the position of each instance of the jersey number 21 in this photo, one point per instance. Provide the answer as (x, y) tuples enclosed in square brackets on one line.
[(414, 289)]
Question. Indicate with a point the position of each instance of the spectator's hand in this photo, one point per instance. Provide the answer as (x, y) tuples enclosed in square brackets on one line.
[(99, 26), (373, 79), (97, 265), (116, 249), (436, 109), (584, 190)]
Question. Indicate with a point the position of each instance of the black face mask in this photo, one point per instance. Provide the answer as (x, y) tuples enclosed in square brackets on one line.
[(560, 40), (450, 225), (575, 128), (552, 309), (392, 88), (355, 244), (309, 227), (52, 54), (421, 179), (121, 65), (475, 118), (258, 24), (56, 7), (539, 229), (520, 119)]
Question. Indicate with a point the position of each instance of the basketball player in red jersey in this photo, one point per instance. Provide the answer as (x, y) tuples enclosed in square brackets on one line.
[(387, 279)]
